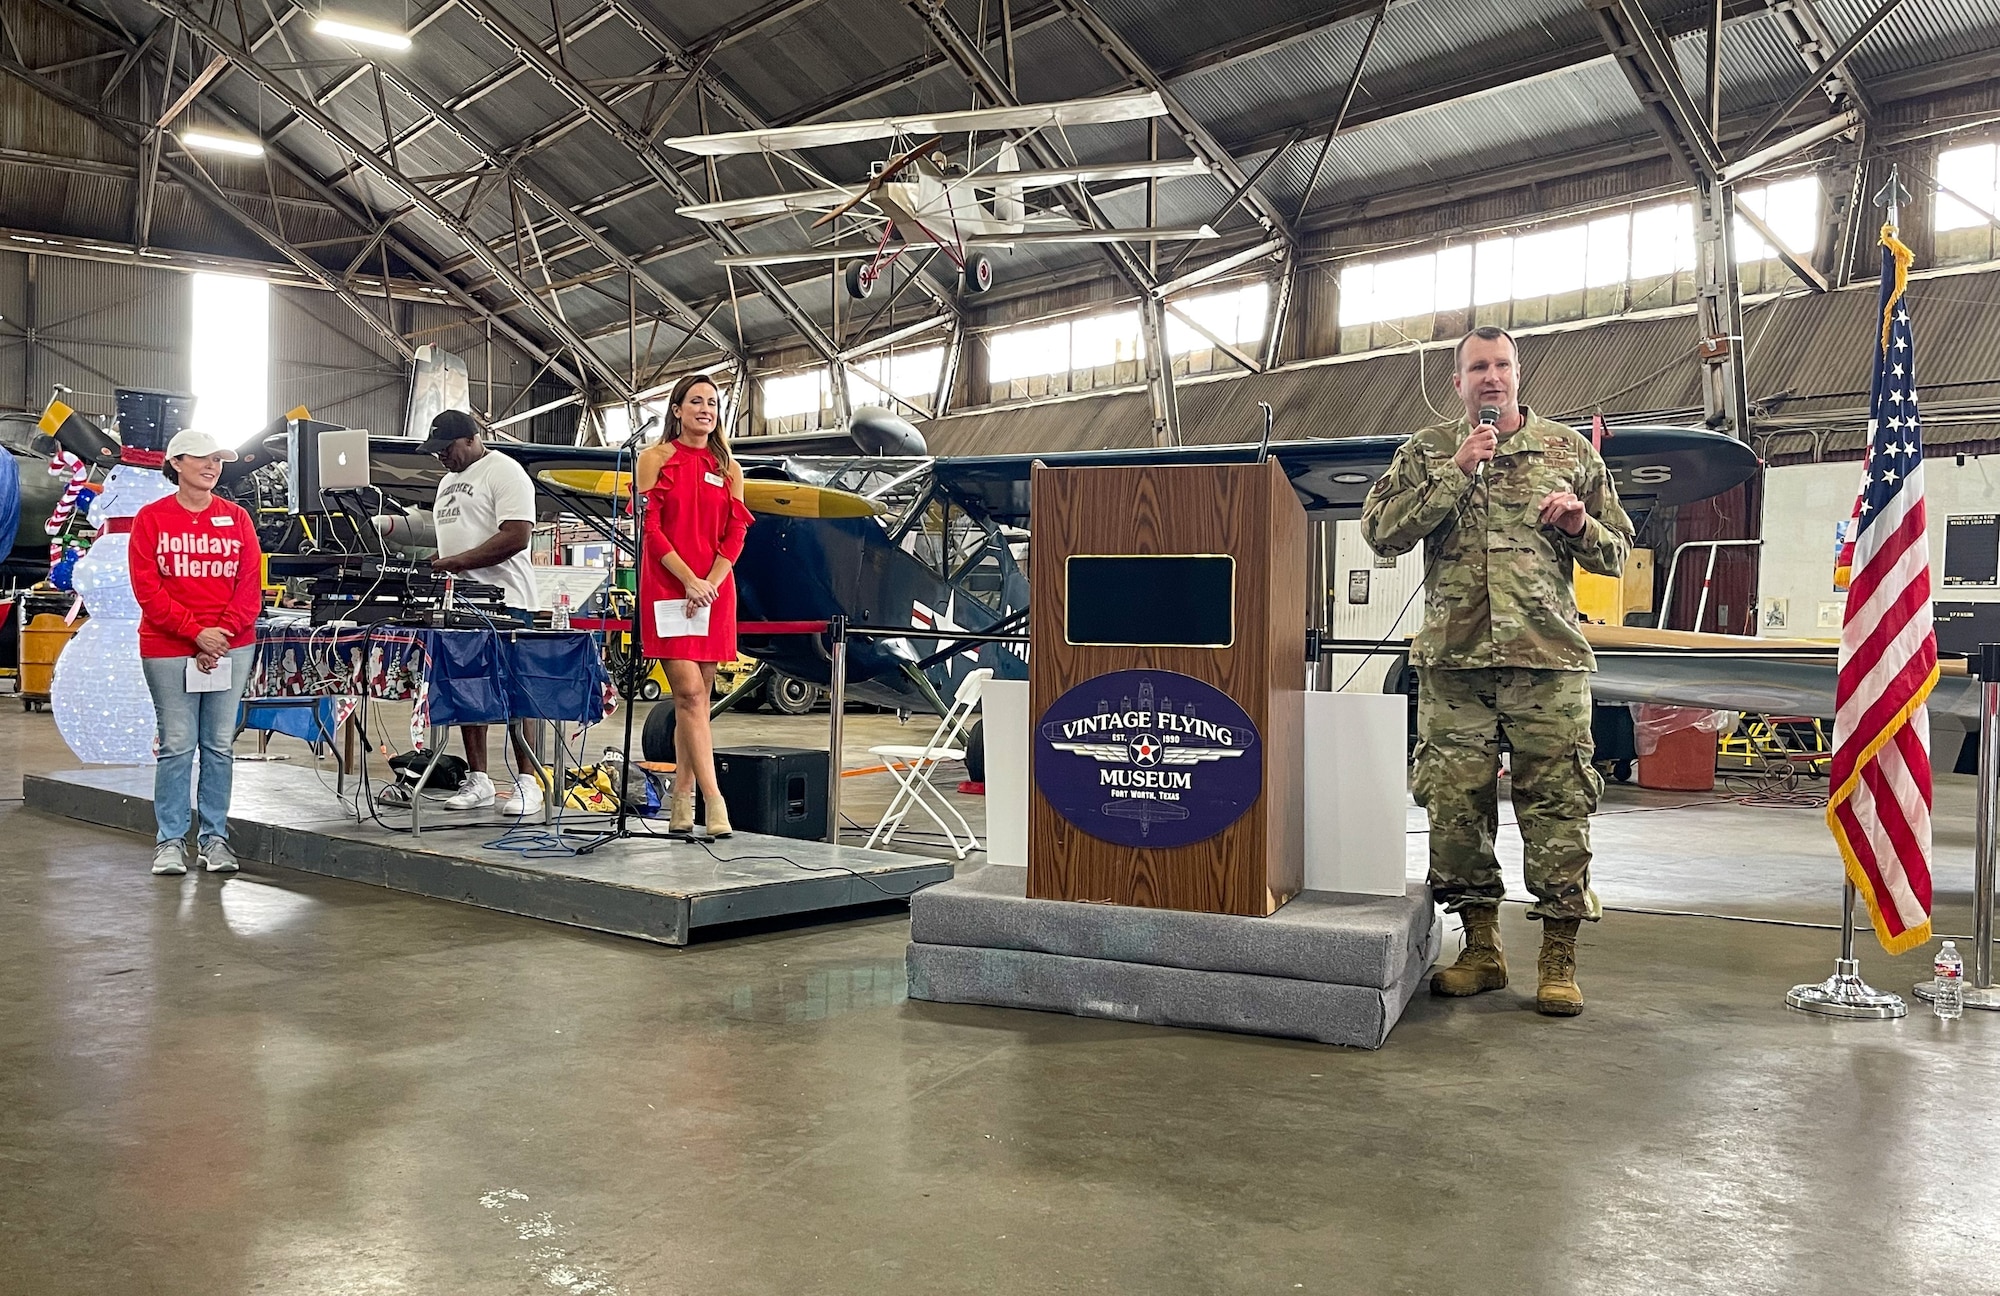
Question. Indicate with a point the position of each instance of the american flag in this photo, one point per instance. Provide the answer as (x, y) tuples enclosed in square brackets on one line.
[(1880, 807)]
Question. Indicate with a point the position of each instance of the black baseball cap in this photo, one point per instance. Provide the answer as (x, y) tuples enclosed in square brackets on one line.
[(449, 426)]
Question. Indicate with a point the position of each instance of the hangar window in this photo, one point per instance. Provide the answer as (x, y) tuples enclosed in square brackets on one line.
[(1967, 203), (1235, 315), (1068, 355), (795, 402), (1635, 259), (905, 380), (230, 356)]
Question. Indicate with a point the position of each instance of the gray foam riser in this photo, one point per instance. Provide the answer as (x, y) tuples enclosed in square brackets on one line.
[(1343, 939), (1320, 1011)]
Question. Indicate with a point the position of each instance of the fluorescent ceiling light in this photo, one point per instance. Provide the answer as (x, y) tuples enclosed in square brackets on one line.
[(361, 33), (236, 144)]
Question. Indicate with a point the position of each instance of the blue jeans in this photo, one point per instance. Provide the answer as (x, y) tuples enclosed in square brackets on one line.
[(187, 721)]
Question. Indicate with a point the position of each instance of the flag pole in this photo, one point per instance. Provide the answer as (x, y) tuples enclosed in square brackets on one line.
[(1845, 994)]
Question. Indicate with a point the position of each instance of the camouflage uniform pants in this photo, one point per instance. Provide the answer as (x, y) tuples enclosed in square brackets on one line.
[(1545, 717)]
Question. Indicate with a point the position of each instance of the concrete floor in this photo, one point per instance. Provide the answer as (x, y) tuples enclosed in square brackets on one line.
[(285, 1084)]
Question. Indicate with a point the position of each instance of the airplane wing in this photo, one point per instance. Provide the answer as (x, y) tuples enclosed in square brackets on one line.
[(1132, 106), (865, 251), (803, 200), (1080, 234), (1651, 465), (1050, 177)]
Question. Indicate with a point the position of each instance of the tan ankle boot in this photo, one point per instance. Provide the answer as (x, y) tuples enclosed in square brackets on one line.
[(717, 817), (681, 818), (1481, 966), (1558, 995)]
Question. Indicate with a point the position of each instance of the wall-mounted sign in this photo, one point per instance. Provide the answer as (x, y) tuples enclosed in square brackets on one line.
[(1148, 758), (1972, 549)]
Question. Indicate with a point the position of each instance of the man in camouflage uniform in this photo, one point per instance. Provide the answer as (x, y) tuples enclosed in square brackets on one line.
[(1503, 510)]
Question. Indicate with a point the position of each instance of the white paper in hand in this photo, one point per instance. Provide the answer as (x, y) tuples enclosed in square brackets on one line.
[(672, 619), (214, 681)]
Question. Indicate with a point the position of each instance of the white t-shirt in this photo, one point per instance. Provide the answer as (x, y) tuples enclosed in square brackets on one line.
[(472, 504)]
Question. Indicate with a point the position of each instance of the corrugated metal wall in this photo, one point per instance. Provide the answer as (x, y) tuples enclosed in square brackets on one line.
[(96, 327), (100, 326)]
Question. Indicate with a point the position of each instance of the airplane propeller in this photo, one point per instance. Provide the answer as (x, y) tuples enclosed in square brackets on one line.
[(889, 172)]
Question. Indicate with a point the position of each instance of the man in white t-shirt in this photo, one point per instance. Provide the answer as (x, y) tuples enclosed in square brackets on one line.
[(485, 514)]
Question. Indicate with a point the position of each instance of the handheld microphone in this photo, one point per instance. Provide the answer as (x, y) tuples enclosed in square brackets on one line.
[(1489, 416)]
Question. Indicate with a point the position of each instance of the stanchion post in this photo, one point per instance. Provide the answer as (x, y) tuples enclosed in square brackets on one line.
[(837, 709), (1980, 992)]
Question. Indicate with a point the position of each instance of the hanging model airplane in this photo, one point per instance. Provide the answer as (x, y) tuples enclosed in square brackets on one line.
[(917, 198)]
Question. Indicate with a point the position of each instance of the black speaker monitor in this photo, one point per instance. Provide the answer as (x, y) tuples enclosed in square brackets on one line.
[(777, 791)]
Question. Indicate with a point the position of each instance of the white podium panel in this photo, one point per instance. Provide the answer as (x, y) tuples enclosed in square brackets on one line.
[(1356, 791), (1355, 775), (1003, 706)]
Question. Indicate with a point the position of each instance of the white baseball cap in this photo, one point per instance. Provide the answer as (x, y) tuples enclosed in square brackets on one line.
[(194, 441)]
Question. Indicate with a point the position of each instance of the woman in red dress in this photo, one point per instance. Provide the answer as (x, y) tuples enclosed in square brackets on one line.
[(695, 521)]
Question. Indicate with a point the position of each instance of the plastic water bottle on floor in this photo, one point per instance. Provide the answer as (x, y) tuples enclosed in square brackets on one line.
[(1948, 985), (560, 621)]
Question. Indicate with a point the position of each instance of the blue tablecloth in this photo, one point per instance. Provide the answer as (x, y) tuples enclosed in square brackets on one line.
[(452, 677)]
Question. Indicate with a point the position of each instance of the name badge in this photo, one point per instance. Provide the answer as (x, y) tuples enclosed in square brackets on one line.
[(224, 520), (712, 479)]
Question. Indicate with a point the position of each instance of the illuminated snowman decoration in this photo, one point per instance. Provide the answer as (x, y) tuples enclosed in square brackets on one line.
[(99, 694)]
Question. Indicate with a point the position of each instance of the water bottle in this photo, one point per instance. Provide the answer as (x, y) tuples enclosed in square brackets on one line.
[(1948, 984), (561, 619)]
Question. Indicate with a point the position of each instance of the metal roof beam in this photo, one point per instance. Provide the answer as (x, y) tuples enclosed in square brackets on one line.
[(1809, 36), (688, 317), (1801, 266), (1196, 136), (199, 182), (348, 208), (1816, 76), (1648, 64), (300, 103)]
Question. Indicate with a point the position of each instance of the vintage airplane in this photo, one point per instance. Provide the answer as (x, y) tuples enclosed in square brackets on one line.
[(904, 545), (918, 198)]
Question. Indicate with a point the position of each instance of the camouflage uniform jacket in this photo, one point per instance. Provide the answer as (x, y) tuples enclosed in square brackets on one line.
[(1500, 587)]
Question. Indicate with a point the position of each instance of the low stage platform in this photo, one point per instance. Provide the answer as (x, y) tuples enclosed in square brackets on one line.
[(1333, 968), (655, 889)]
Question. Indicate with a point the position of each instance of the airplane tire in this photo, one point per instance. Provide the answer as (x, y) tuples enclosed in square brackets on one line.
[(789, 695), (859, 282), (978, 273), (650, 690), (656, 739)]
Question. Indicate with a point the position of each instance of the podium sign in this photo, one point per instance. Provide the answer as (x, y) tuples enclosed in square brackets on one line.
[(1166, 681)]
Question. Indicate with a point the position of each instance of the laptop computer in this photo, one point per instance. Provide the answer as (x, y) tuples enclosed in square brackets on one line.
[(343, 460)]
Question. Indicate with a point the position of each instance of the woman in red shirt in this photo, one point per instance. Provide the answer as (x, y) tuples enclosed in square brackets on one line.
[(197, 571), (694, 526)]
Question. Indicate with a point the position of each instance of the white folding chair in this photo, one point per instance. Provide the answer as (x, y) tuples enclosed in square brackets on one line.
[(914, 766)]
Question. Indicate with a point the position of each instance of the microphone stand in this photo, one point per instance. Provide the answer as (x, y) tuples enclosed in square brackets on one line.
[(632, 672)]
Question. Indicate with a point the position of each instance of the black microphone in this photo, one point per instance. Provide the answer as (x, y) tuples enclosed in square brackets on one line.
[(1489, 416)]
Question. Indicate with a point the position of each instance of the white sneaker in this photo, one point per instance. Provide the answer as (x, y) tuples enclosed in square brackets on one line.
[(475, 794), (524, 798), (169, 859)]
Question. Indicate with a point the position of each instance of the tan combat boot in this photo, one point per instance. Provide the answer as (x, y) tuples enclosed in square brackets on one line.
[(1481, 966), (1557, 995)]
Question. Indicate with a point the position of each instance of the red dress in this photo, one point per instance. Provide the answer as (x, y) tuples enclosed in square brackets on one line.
[(691, 512)]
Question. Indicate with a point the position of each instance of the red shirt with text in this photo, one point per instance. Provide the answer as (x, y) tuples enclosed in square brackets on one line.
[(192, 571)]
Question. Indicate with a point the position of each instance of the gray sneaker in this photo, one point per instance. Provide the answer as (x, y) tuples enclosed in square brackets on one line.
[(216, 856), (169, 859)]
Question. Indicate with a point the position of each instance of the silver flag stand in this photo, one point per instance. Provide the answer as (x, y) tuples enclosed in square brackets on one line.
[(1981, 992), (1845, 994)]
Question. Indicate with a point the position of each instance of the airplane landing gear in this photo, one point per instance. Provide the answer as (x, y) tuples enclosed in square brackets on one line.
[(978, 275), (860, 280)]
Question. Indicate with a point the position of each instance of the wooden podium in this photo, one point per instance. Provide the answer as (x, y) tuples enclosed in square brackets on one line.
[(1167, 683)]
